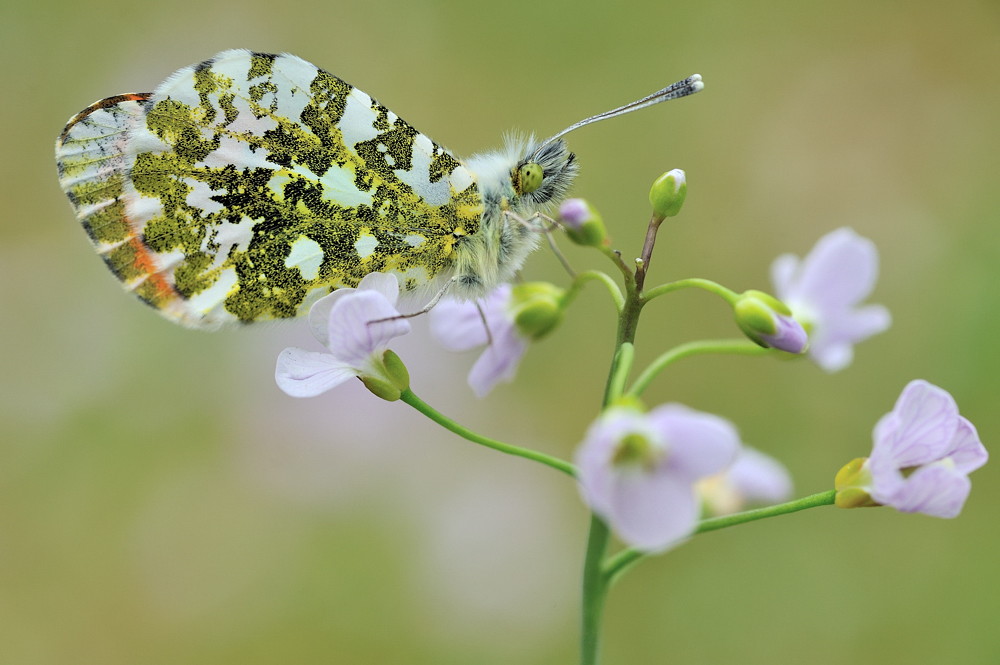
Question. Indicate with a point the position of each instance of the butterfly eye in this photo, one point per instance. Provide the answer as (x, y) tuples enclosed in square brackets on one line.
[(529, 178)]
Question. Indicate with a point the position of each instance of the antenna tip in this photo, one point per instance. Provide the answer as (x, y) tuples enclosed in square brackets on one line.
[(694, 81), (694, 77)]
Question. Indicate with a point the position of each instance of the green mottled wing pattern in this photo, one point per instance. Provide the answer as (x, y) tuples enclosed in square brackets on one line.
[(248, 186)]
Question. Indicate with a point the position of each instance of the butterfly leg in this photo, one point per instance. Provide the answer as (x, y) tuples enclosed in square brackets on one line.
[(547, 230), (486, 325), (426, 308)]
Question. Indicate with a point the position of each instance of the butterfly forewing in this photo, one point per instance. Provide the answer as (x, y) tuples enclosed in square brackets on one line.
[(248, 186)]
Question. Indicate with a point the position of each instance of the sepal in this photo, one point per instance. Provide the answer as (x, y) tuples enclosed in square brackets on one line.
[(853, 484)]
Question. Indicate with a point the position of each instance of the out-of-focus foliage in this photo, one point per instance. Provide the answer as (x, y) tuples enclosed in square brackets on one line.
[(161, 501)]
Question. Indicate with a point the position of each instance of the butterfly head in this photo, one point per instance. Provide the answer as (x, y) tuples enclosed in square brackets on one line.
[(544, 174)]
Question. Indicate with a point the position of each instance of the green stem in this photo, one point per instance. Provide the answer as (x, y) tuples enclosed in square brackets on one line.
[(695, 282), (617, 259), (466, 433), (619, 375), (727, 346), (590, 276), (619, 563), (595, 583), (595, 589)]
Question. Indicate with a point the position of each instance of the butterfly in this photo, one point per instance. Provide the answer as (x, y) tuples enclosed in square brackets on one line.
[(248, 186)]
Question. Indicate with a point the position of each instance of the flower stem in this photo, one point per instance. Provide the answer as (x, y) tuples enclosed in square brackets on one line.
[(595, 583), (622, 367), (594, 275), (410, 398), (728, 346), (695, 282), (595, 589), (619, 563), (647, 252)]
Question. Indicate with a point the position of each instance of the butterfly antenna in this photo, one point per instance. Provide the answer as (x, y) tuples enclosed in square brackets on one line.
[(688, 86)]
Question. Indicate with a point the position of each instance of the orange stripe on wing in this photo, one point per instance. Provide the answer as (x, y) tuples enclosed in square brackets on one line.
[(103, 104)]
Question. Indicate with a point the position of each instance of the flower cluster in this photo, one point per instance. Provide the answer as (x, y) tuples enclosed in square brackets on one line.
[(651, 476)]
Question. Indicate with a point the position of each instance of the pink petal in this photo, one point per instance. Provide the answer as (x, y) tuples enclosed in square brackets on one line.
[(783, 271), (831, 357), (652, 511), (352, 339), (921, 431), (457, 326), (302, 373), (698, 444), (594, 456), (937, 489), (840, 271), (498, 362), (759, 477), (319, 315), (385, 283), (968, 453)]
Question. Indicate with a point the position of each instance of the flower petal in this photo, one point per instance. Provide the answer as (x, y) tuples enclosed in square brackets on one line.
[(698, 444), (319, 315), (937, 489), (595, 455), (830, 357), (840, 271), (302, 373), (922, 429), (352, 339), (385, 283), (759, 477), (457, 326), (651, 511), (968, 453), (499, 361), (783, 271)]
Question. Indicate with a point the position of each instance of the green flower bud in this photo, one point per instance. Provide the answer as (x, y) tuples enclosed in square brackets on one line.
[(668, 193), (768, 322), (853, 484), (583, 223), (396, 370), (536, 308)]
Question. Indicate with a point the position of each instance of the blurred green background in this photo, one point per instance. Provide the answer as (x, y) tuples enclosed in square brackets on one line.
[(162, 502)]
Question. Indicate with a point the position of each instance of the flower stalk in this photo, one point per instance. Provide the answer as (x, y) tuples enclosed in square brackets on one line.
[(561, 465)]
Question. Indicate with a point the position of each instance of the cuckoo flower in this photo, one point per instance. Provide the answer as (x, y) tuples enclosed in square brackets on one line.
[(825, 290), (637, 471), (460, 326), (753, 477), (923, 453), (506, 320), (921, 460), (349, 323)]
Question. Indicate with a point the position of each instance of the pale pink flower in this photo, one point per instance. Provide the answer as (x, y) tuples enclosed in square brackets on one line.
[(637, 471), (459, 326), (825, 291), (342, 322), (923, 453)]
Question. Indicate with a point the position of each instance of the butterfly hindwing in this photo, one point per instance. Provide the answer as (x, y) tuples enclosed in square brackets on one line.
[(248, 186)]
